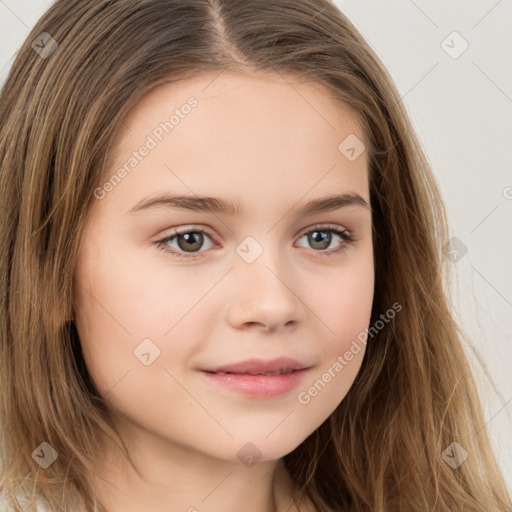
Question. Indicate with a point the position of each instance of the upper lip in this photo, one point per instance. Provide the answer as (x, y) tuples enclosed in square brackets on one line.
[(254, 366)]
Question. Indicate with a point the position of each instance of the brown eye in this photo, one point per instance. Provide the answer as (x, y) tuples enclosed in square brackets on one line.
[(190, 241)]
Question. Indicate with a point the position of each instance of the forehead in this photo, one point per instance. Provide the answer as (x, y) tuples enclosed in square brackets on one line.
[(245, 136), (274, 101), (261, 90)]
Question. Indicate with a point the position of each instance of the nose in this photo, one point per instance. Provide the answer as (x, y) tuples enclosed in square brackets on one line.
[(265, 294)]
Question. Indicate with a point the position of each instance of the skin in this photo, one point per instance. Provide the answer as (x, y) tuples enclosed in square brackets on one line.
[(272, 147)]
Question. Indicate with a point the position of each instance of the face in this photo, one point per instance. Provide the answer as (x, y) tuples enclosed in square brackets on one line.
[(168, 288)]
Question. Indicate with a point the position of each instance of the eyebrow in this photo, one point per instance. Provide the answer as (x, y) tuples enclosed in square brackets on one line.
[(223, 207)]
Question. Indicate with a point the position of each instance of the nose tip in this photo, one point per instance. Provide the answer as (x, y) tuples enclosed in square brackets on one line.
[(265, 302)]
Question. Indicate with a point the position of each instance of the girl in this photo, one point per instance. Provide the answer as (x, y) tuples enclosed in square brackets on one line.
[(221, 277)]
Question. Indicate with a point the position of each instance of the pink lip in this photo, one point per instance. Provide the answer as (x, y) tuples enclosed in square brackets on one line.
[(242, 379), (258, 386)]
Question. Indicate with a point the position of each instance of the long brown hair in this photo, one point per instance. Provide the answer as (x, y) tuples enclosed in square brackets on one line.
[(61, 106)]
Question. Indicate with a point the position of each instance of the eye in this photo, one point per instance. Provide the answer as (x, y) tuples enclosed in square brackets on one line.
[(189, 241), (320, 237)]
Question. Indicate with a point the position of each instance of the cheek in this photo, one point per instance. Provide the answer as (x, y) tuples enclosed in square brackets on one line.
[(106, 312), (344, 310), (344, 305), (105, 342), (120, 302)]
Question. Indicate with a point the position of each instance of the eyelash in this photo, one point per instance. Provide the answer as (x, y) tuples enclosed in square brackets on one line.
[(343, 234)]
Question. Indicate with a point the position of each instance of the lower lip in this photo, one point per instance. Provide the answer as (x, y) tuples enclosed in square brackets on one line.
[(259, 386)]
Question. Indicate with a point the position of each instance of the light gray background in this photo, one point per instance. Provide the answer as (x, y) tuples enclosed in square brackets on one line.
[(462, 109)]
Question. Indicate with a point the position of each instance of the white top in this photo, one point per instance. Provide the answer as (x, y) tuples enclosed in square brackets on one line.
[(7, 506)]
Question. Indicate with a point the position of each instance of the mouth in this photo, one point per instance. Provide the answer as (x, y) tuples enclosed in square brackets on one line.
[(272, 374), (277, 366), (259, 379)]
